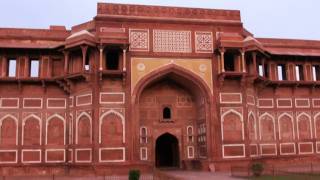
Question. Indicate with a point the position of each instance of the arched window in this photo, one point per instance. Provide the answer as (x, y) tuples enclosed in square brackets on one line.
[(166, 114)]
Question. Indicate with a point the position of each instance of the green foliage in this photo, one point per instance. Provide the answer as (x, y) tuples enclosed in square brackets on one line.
[(134, 174), (257, 168)]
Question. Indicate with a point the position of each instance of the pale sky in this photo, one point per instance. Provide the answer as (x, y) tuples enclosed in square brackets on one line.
[(298, 19)]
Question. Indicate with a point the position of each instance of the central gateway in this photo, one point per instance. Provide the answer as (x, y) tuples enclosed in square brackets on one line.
[(167, 151), (172, 113)]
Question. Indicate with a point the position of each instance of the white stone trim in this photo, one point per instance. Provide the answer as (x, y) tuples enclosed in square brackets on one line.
[(301, 143), (288, 99), (313, 105), (10, 162), (72, 98), (190, 149), (10, 107), (274, 124), (315, 124), (15, 120), (294, 148), (64, 127), (263, 99), (141, 154), (229, 112), (310, 124), (275, 149), (59, 107), (83, 149), (230, 102), (292, 123), (254, 100), (317, 150), (111, 111), (117, 93), (113, 148), (192, 134), (257, 150), (255, 124), (297, 99), (55, 150), (143, 127), (83, 95), (233, 145), (77, 123), (32, 107), (30, 150), (40, 127), (71, 155)]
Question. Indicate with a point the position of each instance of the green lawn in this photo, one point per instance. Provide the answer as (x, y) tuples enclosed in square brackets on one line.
[(289, 177)]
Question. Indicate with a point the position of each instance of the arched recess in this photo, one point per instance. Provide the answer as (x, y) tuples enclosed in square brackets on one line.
[(317, 126), (304, 126), (31, 130), (286, 127), (232, 126), (252, 126), (8, 130), (267, 127), (188, 81), (112, 128), (84, 129), (56, 130)]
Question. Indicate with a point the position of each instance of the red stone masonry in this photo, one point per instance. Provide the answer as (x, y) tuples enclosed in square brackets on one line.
[(153, 86)]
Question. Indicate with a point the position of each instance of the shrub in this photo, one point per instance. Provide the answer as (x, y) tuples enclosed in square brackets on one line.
[(257, 169), (134, 174)]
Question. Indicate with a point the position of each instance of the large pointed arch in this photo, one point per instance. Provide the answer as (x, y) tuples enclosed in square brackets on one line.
[(155, 75), (16, 123), (122, 121)]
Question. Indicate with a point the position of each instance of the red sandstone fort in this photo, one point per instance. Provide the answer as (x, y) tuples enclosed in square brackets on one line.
[(150, 86)]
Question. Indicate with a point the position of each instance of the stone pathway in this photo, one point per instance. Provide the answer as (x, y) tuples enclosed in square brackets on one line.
[(195, 175)]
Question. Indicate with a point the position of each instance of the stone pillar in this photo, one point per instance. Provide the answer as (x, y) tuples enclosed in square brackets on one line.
[(27, 72), (66, 61), (263, 67), (4, 66), (222, 61), (84, 55), (254, 59), (124, 68), (101, 58), (243, 61)]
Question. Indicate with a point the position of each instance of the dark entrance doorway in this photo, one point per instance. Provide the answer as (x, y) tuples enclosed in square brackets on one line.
[(167, 151)]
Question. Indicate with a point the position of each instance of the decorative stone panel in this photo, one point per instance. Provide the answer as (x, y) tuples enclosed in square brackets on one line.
[(203, 42), (172, 41), (139, 39)]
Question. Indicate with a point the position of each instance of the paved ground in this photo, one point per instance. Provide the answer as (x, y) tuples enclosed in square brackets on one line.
[(190, 175), (183, 175)]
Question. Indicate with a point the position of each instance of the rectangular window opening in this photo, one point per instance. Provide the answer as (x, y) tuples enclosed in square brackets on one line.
[(229, 61), (260, 69), (282, 75), (12, 68), (299, 73), (112, 60), (316, 72), (34, 68)]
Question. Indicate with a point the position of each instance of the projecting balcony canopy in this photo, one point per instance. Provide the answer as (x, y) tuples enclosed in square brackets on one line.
[(82, 37)]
